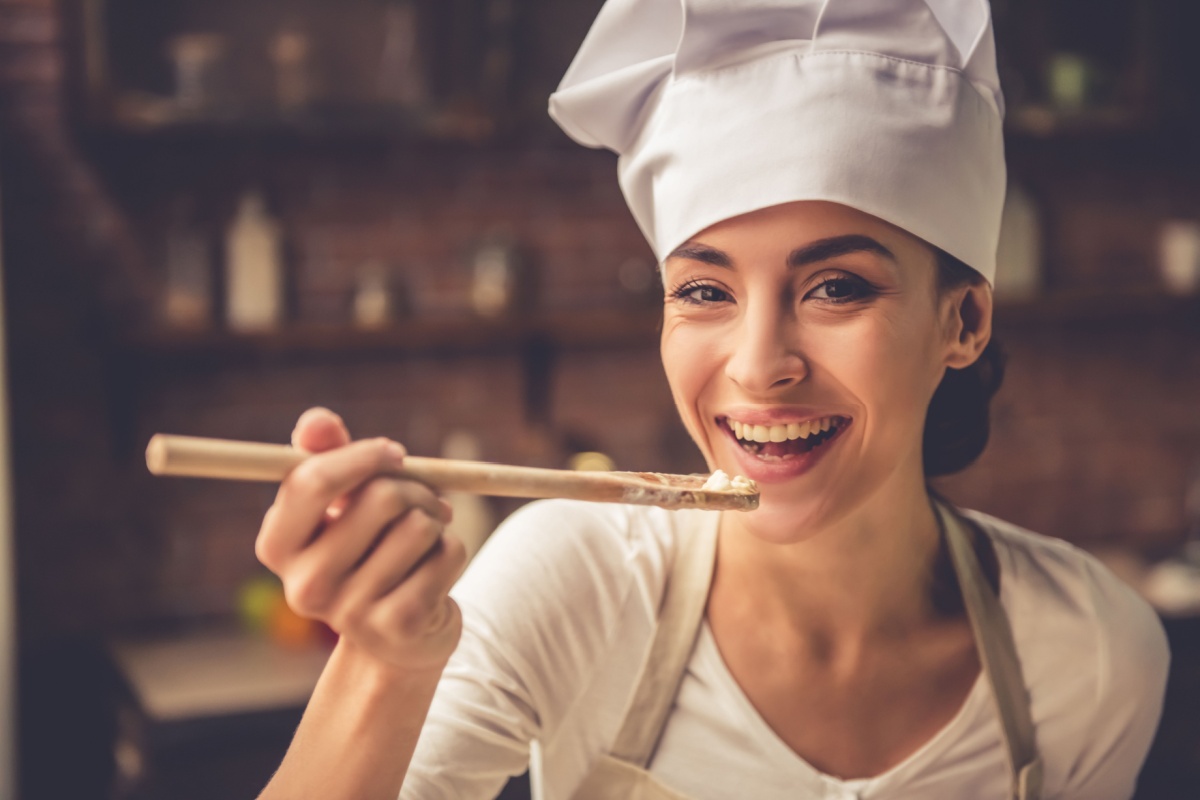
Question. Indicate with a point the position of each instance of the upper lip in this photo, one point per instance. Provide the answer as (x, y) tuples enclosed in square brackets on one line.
[(775, 416)]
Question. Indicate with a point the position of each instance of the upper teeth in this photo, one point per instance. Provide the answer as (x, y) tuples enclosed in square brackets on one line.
[(780, 433)]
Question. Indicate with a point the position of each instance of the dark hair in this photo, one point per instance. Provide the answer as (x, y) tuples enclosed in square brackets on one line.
[(958, 421)]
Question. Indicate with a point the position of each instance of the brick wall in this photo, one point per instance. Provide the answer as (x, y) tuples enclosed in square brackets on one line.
[(1095, 433)]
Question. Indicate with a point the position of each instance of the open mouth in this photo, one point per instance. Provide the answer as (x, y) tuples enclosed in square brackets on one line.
[(783, 442)]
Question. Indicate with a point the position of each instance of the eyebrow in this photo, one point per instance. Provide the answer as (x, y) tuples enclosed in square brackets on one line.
[(825, 249), (811, 253)]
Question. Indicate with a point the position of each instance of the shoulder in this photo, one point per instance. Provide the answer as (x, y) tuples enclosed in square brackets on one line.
[(559, 607), (1094, 654), (563, 584), (558, 549), (1047, 583)]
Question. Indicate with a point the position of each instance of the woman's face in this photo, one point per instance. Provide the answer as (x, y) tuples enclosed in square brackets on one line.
[(802, 344)]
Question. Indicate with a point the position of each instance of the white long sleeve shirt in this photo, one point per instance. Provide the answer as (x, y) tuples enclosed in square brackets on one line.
[(559, 610)]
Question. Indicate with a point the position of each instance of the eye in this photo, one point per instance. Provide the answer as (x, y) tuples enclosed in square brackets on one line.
[(843, 288), (699, 293)]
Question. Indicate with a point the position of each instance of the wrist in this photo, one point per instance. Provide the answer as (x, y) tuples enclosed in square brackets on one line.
[(359, 731), (366, 671)]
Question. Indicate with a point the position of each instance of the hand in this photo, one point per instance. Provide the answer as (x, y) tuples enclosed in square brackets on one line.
[(364, 552)]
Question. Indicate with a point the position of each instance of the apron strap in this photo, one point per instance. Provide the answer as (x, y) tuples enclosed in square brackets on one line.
[(682, 611), (998, 653)]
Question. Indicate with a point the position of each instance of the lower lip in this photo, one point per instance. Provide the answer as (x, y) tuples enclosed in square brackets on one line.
[(778, 471)]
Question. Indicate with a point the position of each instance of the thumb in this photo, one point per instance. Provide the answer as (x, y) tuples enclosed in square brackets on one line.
[(319, 429)]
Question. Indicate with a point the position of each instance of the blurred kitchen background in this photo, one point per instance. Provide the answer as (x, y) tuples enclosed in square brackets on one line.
[(217, 213)]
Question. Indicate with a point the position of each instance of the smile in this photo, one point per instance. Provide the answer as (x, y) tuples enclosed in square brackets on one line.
[(785, 441)]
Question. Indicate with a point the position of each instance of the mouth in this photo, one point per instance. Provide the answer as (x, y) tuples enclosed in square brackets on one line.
[(782, 442)]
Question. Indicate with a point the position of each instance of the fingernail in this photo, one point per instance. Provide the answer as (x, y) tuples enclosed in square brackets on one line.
[(396, 451), (313, 411)]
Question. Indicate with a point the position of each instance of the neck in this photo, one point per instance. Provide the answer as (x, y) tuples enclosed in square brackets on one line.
[(865, 577)]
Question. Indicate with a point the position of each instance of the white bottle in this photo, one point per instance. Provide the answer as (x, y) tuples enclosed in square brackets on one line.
[(253, 268), (1179, 255), (1019, 254), (473, 519), (188, 299)]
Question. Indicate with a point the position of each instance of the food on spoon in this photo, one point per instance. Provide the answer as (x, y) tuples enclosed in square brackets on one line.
[(720, 481)]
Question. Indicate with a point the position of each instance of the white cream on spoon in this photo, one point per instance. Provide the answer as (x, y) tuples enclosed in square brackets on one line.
[(720, 481)]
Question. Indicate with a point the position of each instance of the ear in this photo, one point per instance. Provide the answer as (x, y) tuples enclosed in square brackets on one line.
[(967, 312)]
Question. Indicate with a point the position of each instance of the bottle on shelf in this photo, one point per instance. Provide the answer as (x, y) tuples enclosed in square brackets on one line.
[(378, 300), (199, 65), (290, 51), (254, 284), (401, 80), (188, 298), (1019, 254), (473, 519), (1179, 255), (502, 280)]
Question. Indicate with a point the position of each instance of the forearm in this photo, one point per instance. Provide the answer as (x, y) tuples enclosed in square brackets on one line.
[(358, 733)]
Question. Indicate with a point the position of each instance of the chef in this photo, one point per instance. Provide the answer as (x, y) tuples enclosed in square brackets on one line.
[(821, 181)]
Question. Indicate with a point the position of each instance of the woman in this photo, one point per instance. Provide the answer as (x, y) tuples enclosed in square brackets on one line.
[(822, 186)]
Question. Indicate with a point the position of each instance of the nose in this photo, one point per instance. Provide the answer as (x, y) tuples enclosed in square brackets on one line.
[(766, 355)]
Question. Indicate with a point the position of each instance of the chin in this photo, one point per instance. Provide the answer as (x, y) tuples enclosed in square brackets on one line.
[(785, 520)]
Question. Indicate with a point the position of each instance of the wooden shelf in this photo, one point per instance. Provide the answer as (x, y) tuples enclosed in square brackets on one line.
[(1100, 308), (462, 336), (597, 329), (349, 125), (1043, 122)]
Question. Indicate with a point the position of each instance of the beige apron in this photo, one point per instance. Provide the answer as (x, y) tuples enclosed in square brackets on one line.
[(622, 774)]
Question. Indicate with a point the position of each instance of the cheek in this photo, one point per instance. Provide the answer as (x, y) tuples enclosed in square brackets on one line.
[(888, 367), (690, 360)]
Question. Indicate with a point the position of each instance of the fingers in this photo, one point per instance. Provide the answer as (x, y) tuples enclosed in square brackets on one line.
[(402, 517), (416, 607), (312, 487), (362, 549), (319, 429), (383, 499), (402, 550), (417, 619), (395, 601)]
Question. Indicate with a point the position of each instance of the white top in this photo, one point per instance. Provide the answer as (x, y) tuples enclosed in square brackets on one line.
[(559, 610)]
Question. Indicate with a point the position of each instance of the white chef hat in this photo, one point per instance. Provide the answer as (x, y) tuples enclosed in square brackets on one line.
[(721, 107)]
